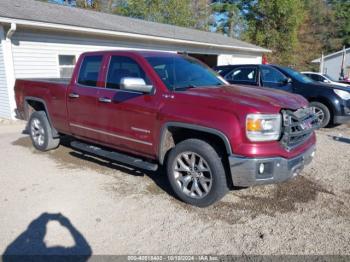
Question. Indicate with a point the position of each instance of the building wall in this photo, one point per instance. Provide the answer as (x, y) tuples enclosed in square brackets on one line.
[(5, 110), (332, 65), (35, 55)]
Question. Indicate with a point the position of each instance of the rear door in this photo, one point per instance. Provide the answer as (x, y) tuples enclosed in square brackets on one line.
[(243, 75), (82, 98), (272, 78)]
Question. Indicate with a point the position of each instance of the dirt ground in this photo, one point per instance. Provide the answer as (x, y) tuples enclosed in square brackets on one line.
[(63, 201)]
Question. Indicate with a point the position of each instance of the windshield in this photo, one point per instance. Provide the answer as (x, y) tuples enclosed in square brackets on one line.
[(179, 72), (298, 76), (331, 78)]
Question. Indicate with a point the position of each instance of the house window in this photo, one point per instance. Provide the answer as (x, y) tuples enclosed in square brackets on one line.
[(66, 65)]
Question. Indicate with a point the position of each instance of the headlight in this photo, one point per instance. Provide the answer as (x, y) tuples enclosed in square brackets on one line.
[(260, 127), (342, 94)]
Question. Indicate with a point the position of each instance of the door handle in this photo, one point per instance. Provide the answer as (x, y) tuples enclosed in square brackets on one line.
[(74, 95), (105, 100)]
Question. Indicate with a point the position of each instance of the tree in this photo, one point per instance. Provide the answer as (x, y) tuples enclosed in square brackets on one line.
[(162, 11), (227, 17), (201, 14), (274, 25), (89, 4), (316, 34), (342, 17)]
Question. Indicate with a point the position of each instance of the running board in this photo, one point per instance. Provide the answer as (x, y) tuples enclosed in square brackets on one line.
[(122, 158)]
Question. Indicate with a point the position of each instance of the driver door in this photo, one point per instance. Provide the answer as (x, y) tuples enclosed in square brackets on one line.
[(126, 119)]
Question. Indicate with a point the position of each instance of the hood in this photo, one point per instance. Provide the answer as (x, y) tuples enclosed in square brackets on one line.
[(341, 84), (330, 86), (257, 97)]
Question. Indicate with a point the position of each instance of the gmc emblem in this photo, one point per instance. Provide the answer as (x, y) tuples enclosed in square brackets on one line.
[(306, 124)]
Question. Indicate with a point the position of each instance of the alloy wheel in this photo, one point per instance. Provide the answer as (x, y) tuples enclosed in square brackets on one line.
[(319, 114), (37, 132), (192, 175)]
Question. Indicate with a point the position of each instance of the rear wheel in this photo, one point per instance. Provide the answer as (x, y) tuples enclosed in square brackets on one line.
[(196, 173), (322, 112), (41, 132)]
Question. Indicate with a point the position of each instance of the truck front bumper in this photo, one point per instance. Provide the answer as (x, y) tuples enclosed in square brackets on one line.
[(247, 172)]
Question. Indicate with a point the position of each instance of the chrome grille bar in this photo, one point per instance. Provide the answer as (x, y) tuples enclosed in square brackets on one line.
[(297, 127)]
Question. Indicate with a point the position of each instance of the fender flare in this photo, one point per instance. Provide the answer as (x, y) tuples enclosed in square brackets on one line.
[(26, 108), (166, 126)]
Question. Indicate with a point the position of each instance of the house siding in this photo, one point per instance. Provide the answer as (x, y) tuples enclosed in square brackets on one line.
[(35, 55), (5, 109), (332, 66)]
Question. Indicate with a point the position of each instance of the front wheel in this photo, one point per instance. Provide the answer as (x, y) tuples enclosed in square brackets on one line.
[(322, 112), (196, 173)]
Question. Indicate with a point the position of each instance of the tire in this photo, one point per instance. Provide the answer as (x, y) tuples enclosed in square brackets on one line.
[(324, 113), (40, 132), (206, 175)]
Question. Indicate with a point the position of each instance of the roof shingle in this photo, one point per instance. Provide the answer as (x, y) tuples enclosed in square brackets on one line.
[(32, 10)]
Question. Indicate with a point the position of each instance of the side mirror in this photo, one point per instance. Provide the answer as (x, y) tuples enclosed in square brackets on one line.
[(287, 81), (135, 84), (326, 81)]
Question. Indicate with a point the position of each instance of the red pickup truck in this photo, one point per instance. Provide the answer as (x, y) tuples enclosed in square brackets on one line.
[(147, 109)]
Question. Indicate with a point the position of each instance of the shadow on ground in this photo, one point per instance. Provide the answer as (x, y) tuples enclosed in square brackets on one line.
[(30, 244)]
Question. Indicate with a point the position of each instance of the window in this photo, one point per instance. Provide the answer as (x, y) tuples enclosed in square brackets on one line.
[(295, 75), (330, 78), (120, 67), (315, 77), (271, 75), (90, 70), (66, 65), (244, 74), (181, 72)]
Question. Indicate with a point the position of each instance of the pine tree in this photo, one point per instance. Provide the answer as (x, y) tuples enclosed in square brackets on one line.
[(274, 25), (227, 17)]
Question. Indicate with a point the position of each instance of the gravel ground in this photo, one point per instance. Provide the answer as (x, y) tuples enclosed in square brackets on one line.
[(111, 209)]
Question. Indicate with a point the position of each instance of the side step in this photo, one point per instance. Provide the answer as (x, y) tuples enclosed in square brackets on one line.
[(122, 158)]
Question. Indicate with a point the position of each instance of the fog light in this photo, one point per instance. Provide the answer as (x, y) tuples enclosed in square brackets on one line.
[(261, 168)]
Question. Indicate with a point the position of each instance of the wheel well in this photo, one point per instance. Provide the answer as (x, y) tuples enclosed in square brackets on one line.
[(326, 103), (173, 135), (32, 106)]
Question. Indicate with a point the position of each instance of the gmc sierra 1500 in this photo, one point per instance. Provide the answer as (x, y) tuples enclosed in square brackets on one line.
[(150, 108)]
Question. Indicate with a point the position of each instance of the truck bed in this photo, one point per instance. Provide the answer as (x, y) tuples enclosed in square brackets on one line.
[(50, 92)]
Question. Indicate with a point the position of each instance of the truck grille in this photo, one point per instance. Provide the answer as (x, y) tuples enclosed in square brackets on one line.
[(298, 126)]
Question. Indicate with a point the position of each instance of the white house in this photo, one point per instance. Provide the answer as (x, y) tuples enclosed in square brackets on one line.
[(41, 40), (332, 63)]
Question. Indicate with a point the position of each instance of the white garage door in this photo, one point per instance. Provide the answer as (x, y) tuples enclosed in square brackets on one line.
[(237, 59)]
